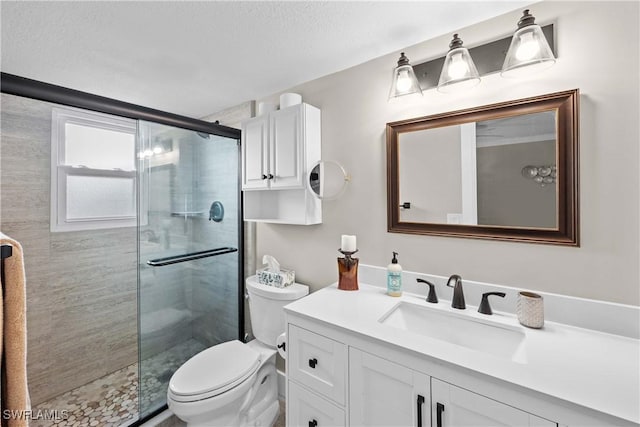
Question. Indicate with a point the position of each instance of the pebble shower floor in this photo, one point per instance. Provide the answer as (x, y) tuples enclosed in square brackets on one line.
[(112, 400)]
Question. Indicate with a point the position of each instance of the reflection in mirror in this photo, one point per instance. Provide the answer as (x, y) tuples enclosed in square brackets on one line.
[(506, 171), (472, 173), (327, 180)]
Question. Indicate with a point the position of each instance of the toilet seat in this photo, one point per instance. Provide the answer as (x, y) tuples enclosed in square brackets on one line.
[(214, 371)]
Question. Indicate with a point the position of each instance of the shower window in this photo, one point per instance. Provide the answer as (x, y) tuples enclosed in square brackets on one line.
[(93, 171)]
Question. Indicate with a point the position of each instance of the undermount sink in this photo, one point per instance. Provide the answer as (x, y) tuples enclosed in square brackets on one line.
[(483, 336)]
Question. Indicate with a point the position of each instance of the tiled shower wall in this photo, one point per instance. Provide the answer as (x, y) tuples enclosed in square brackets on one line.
[(215, 280), (233, 117), (81, 285)]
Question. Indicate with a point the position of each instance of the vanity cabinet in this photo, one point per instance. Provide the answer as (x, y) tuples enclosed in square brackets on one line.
[(278, 149), (331, 383)]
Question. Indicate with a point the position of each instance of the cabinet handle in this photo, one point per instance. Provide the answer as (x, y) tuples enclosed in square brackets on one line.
[(313, 362), (439, 411), (270, 176), (264, 176), (419, 407), (313, 423)]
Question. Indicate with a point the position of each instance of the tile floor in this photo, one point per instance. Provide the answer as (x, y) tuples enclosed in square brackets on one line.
[(108, 401), (112, 400)]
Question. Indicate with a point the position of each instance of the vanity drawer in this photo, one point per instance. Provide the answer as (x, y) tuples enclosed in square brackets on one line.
[(305, 408), (317, 362)]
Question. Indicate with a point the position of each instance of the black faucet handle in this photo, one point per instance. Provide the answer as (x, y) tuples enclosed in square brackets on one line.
[(432, 297), (457, 301), (484, 307)]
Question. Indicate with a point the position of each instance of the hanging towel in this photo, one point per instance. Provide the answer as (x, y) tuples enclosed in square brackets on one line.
[(16, 405)]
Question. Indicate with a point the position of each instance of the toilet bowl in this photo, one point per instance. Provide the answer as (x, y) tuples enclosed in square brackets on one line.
[(233, 383)]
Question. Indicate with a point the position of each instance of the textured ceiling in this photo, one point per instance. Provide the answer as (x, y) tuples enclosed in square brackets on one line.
[(196, 58)]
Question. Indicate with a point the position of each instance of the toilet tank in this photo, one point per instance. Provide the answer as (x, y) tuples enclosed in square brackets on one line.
[(266, 305)]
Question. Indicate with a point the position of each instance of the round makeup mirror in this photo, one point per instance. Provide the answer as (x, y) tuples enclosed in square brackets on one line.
[(327, 180)]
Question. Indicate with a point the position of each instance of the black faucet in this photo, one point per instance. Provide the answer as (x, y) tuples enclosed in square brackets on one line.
[(485, 308), (432, 297), (457, 301)]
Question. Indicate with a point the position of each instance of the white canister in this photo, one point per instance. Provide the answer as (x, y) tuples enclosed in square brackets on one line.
[(288, 99), (530, 309), (265, 107)]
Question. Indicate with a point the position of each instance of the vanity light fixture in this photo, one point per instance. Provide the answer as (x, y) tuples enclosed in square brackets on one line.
[(404, 79), (458, 72), (529, 51)]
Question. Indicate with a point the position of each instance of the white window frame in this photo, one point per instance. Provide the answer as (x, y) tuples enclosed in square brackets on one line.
[(59, 170)]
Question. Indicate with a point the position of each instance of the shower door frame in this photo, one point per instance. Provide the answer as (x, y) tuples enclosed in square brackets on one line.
[(12, 84)]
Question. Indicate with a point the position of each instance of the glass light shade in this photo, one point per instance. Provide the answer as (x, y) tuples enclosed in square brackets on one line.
[(528, 53), (458, 72), (404, 80)]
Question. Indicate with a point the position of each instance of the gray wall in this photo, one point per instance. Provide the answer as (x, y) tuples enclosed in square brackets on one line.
[(507, 198), (81, 286), (354, 113)]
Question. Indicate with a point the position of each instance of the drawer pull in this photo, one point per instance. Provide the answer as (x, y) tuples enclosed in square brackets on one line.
[(313, 362), (420, 402), (439, 411), (313, 423)]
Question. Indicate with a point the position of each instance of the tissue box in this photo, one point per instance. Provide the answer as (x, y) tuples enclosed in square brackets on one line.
[(279, 280)]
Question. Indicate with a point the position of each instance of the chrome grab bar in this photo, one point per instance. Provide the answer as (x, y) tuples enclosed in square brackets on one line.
[(159, 262)]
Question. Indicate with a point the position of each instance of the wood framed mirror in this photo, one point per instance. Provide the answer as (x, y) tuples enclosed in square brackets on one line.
[(506, 171)]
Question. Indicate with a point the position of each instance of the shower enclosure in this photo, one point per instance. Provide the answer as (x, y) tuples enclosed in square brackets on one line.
[(189, 262), (114, 310)]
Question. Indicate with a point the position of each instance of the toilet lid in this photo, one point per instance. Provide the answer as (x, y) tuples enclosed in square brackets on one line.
[(215, 368)]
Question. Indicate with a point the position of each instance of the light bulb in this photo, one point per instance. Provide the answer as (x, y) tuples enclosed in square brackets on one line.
[(528, 48), (148, 153), (157, 149), (403, 83), (458, 67)]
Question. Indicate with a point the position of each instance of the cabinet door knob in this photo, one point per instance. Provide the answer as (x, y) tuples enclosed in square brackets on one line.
[(270, 176), (313, 362), (264, 176), (439, 411), (313, 423)]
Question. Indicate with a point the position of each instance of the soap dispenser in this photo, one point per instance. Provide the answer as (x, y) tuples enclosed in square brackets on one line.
[(394, 277)]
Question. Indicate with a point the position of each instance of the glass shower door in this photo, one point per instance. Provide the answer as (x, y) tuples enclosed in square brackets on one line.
[(189, 251)]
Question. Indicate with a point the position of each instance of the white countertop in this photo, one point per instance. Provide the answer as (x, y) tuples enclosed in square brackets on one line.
[(593, 369)]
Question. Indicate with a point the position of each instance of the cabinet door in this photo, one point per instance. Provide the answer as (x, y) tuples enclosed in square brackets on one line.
[(383, 393), (305, 408), (255, 153), (454, 406), (287, 148)]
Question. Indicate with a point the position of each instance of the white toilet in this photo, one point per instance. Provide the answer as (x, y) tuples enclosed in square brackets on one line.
[(235, 384)]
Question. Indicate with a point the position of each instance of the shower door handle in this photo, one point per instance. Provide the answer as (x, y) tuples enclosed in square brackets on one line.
[(159, 262)]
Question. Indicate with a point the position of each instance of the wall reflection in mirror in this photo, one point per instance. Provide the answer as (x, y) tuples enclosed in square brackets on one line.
[(498, 172)]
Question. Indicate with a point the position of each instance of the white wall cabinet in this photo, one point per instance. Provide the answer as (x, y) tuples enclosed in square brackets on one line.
[(379, 391), (278, 149)]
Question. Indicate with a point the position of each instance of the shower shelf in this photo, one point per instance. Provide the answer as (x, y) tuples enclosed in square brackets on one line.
[(159, 262), (189, 214)]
